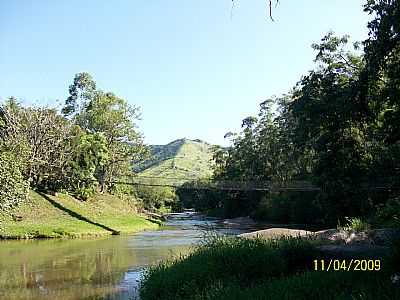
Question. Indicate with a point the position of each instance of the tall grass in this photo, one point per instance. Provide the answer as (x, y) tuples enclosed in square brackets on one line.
[(226, 268), (226, 259), (355, 225), (309, 286)]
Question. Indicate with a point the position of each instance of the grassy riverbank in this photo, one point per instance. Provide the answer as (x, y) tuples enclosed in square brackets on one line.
[(232, 268), (45, 216)]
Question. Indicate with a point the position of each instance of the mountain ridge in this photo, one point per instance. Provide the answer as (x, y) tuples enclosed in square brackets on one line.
[(182, 158)]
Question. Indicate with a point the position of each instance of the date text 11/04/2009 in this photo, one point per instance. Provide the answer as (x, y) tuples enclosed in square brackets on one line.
[(347, 265)]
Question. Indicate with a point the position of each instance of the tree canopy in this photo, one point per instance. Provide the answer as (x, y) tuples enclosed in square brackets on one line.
[(338, 127), (94, 141)]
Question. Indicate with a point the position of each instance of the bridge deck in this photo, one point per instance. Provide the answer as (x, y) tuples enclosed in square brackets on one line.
[(190, 183), (221, 185)]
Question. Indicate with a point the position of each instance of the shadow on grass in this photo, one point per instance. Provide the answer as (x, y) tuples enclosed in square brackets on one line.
[(76, 215)]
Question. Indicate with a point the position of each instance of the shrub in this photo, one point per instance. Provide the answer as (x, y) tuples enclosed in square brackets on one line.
[(389, 213), (13, 187), (156, 197), (274, 208), (355, 225), (288, 207)]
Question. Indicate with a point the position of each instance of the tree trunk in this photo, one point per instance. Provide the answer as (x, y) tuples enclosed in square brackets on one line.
[(102, 181)]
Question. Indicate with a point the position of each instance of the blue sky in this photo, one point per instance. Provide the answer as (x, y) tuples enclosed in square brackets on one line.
[(196, 68)]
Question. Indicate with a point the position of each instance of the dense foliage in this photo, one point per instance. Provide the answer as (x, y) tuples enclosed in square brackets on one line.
[(338, 128), (86, 148), (14, 188), (157, 197)]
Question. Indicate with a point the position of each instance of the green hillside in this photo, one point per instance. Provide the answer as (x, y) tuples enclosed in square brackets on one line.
[(47, 216), (183, 158)]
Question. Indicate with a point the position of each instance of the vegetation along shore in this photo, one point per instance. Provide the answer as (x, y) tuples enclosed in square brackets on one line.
[(63, 216), (324, 156)]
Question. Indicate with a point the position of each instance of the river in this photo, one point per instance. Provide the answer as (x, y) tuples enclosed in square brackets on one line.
[(108, 268)]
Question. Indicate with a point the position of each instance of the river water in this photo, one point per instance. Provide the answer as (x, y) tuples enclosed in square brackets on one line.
[(108, 268)]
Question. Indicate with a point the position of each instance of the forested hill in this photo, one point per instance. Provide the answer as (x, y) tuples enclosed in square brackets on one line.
[(182, 158)]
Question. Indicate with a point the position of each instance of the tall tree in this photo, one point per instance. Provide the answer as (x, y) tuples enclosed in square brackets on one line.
[(104, 113), (37, 136), (115, 119), (81, 92), (380, 82)]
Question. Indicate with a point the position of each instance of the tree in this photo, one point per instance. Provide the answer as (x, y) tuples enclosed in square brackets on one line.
[(114, 118), (88, 153), (380, 83), (156, 197), (37, 136), (111, 116), (331, 123), (80, 93), (316, 132), (8, 121), (13, 186)]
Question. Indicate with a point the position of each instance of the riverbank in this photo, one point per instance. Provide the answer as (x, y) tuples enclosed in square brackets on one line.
[(62, 216), (108, 267)]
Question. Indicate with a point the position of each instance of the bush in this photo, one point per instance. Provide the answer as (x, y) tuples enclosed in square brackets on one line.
[(355, 225), (200, 199), (288, 207), (13, 187), (156, 197), (274, 208), (389, 214)]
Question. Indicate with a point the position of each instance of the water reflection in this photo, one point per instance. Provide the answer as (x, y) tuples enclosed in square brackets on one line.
[(108, 268)]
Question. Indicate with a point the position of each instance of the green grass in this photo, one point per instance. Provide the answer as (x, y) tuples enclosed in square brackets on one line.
[(225, 260), (183, 158), (65, 216), (309, 286), (232, 268)]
